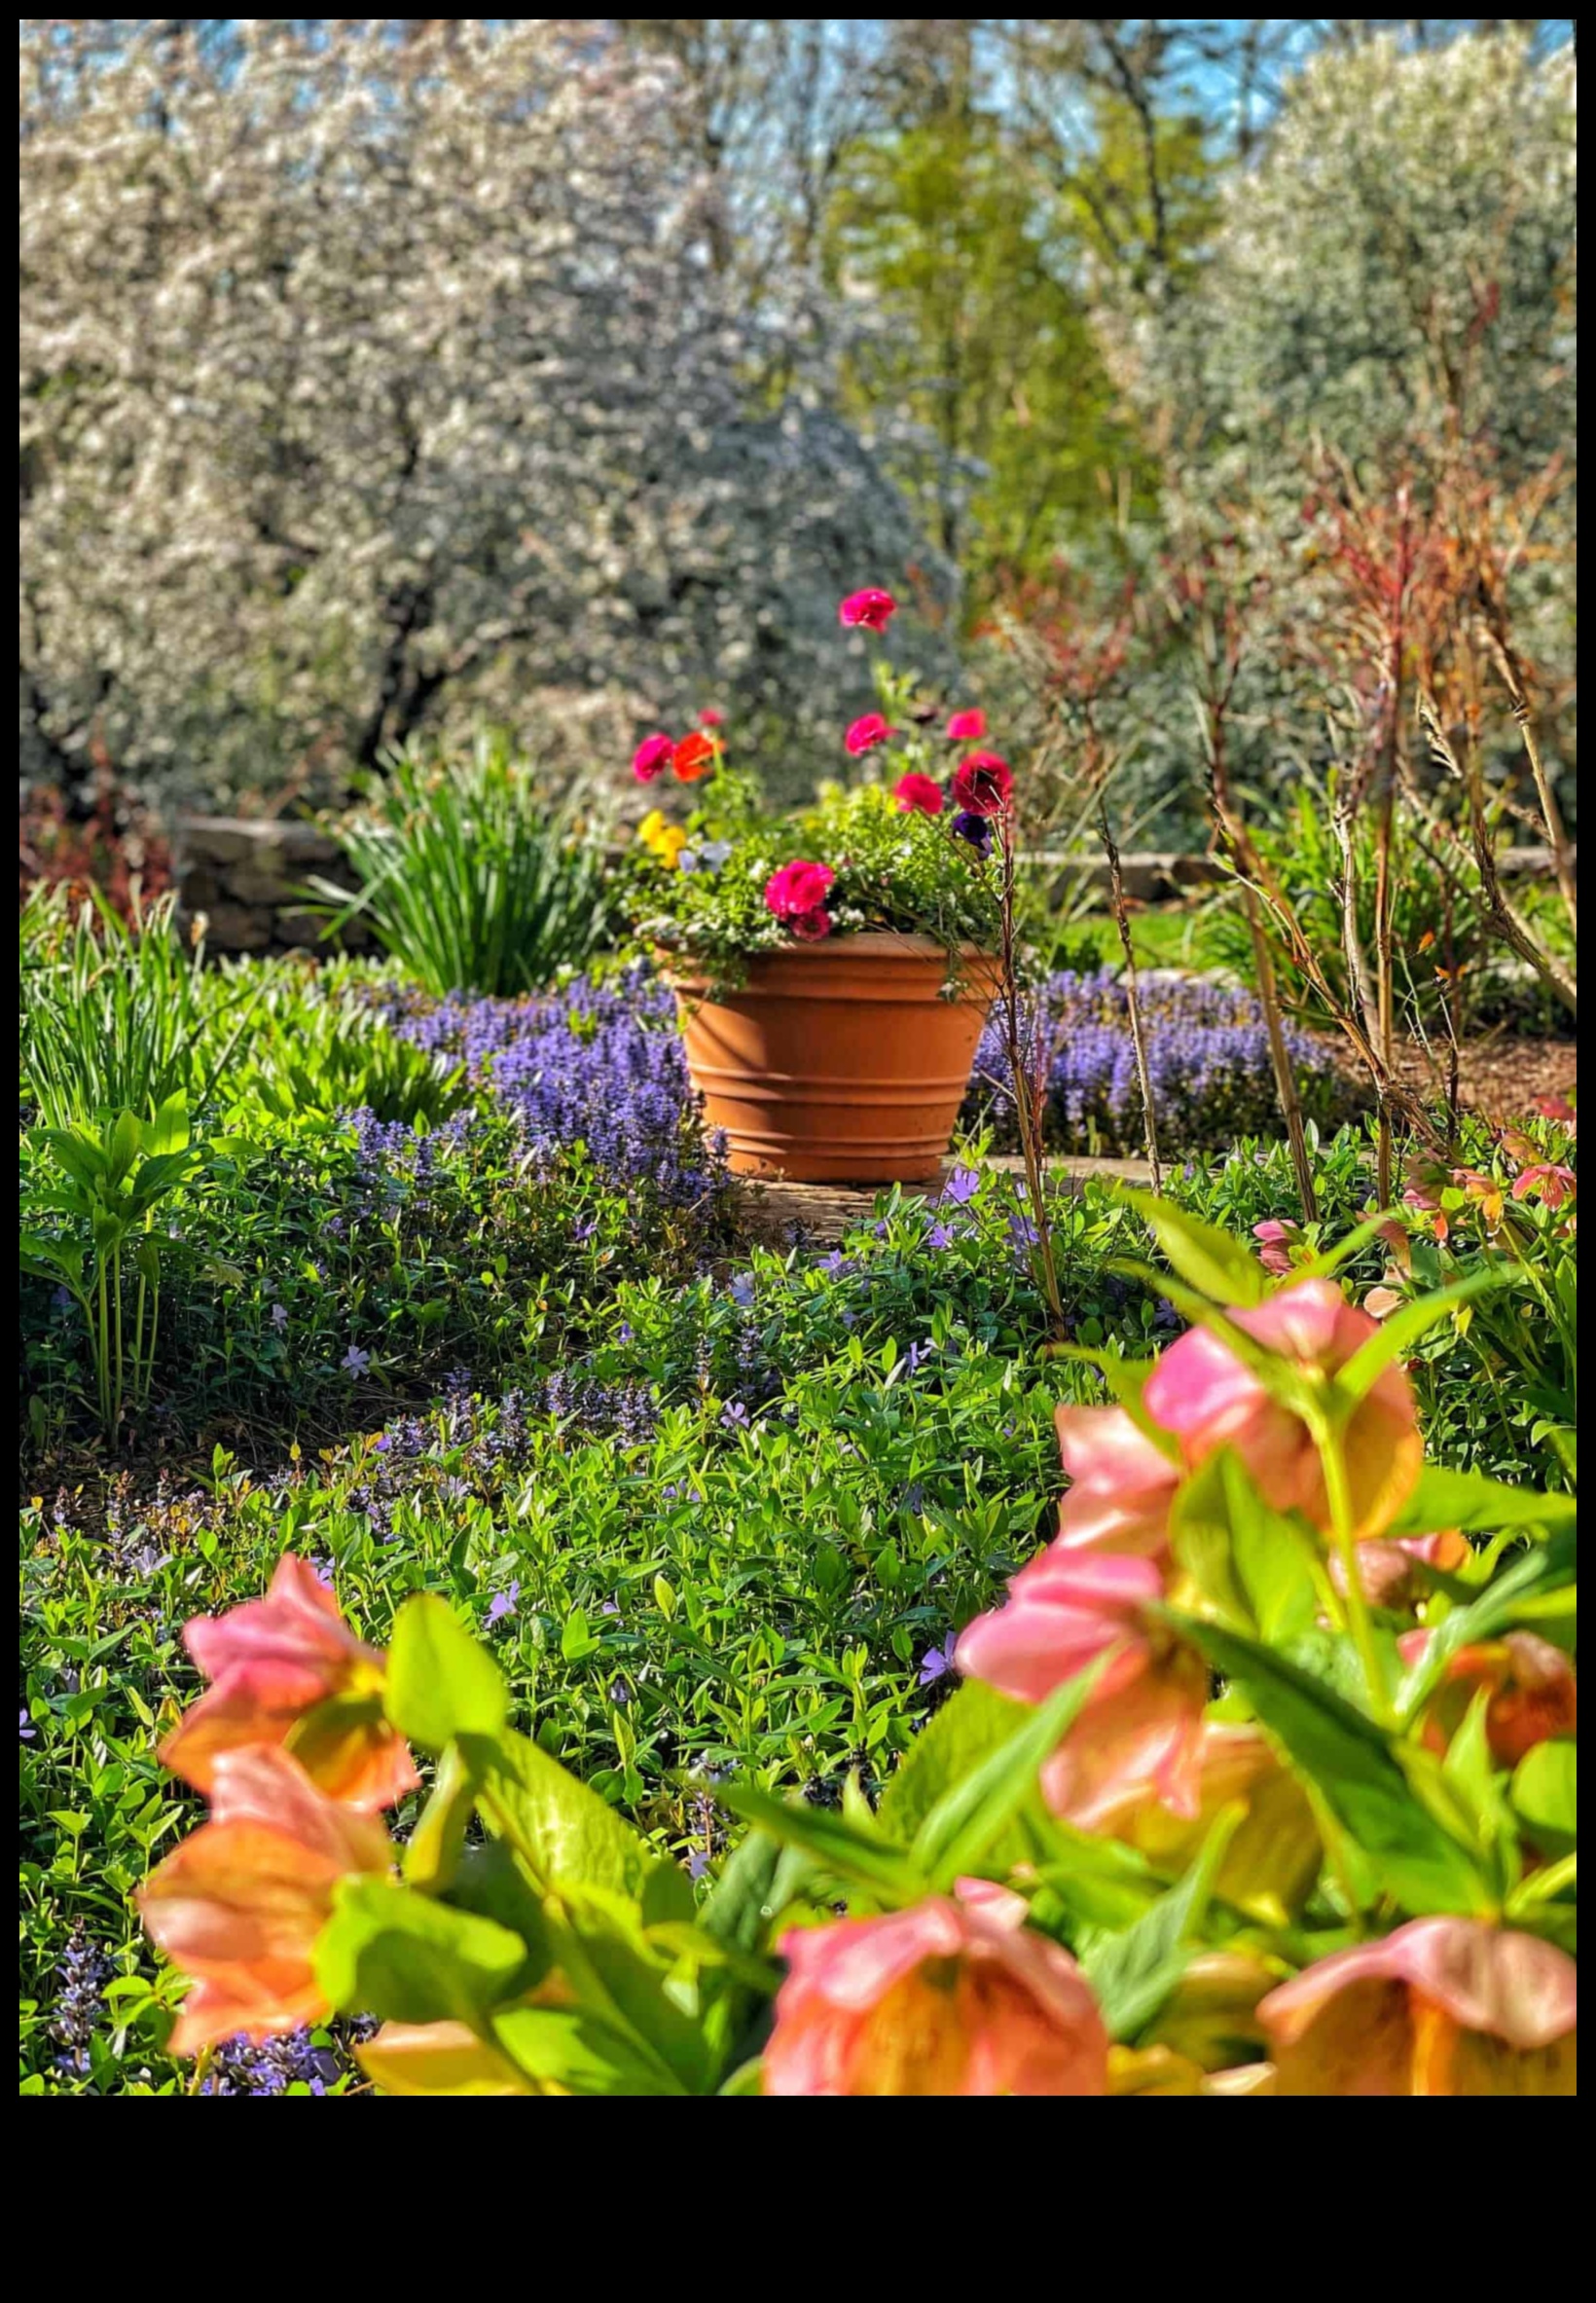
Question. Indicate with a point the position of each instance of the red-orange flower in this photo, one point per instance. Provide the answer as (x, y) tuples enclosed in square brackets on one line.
[(694, 757), (276, 1660), (239, 1906)]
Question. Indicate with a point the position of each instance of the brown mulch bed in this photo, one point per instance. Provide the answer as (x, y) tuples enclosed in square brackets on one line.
[(1504, 1078)]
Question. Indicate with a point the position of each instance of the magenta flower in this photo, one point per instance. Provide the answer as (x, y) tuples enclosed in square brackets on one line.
[(918, 795), (797, 894), (710, 717), (872, 610), (983, 784), (866, 733), (968, 727), (650, 756)]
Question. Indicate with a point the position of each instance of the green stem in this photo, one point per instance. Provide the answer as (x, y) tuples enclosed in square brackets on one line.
[(1343, 1534)]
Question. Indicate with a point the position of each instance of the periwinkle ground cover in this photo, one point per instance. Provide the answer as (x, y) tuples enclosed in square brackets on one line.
[(1208, 1064)]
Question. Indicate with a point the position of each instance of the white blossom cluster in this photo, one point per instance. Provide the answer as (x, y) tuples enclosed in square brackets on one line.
[(380, 378)]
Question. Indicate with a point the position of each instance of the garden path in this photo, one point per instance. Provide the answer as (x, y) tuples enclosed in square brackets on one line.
[(826, 1211)]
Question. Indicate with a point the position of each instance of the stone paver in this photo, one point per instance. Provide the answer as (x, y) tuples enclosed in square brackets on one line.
[(768, 1212)]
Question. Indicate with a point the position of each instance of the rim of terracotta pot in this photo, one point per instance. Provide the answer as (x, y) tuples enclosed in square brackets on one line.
[(683, 974)]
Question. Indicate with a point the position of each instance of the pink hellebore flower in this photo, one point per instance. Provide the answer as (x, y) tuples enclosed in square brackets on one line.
[(241, 1903), (918, 795), (953, 1997), (866, 733), (1120, 1484), (1444, 2006), (1275, 1243), (1386, 1564), (872, 610), (1210, 1398), (797, 894), (1549, 1183), (968, 727), (651, 757), (272, 1662), (1140, 1731), (983, 784), (1381, 1302)]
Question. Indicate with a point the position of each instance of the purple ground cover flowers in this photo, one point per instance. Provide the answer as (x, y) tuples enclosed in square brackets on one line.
[(1208, 1057), (598, 1064)]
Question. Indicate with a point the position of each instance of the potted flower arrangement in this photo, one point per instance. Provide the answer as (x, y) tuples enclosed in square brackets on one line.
[(834, 968)]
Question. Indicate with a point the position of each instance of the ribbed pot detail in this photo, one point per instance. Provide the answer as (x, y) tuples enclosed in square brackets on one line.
[(839, 1062)]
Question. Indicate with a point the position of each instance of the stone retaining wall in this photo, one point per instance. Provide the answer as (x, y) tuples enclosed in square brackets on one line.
[(246, 876)]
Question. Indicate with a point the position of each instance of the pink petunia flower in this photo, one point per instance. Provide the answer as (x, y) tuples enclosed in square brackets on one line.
[(651, 757), (968, 727), (983, 784), (871, 610), (798, 892), (866, 733), (918, 795)]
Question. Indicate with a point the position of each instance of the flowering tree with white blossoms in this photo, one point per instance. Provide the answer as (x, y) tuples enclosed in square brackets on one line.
[(377, 377)]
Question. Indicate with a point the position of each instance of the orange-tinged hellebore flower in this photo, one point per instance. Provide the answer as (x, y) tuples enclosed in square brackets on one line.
[(1444, 2006), (953, 1997), (1137, 1734), (1120, 1485), (1386, 1565), (239, 1906), (1210, 1398), (272, 1662), (1534, 1694), (1274, 1857)]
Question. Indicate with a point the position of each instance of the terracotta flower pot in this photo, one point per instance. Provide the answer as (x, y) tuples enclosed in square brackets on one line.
[(838, 1062)]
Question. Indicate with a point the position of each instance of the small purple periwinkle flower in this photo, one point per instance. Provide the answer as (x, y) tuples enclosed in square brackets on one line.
[(937, 1661), (735, 1415), (503, 1602), (279, 1317), (741, 1289), (26, 1732), (355, 1360), (962, 1187), (697, 1864), (939, 1237)]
